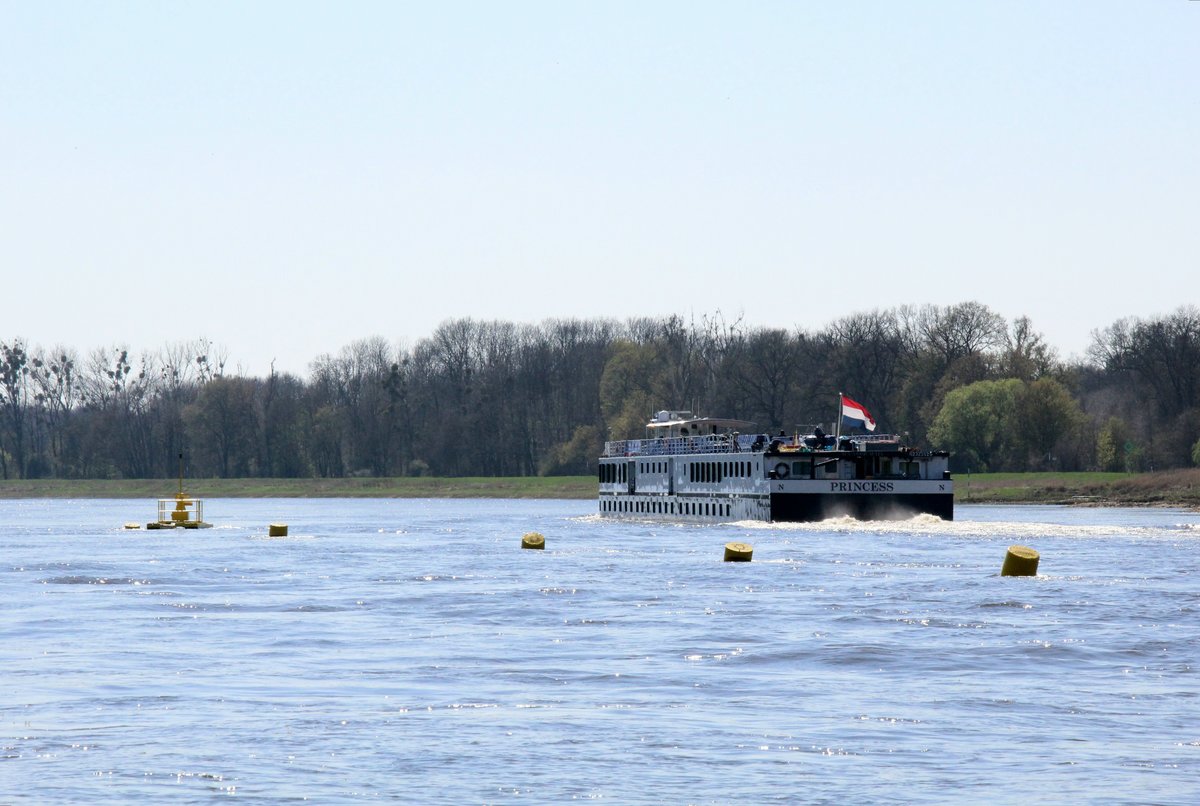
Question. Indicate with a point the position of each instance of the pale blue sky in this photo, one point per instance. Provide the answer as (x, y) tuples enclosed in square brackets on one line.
[(285, 178)]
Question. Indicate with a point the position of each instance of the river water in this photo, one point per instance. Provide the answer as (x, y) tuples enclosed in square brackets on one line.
[(410, 651)]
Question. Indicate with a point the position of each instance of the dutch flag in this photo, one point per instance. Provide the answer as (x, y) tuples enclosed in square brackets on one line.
[(855, 415)]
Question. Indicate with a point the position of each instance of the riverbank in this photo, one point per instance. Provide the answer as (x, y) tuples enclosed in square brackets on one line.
[(1175, 488), (1170, 488), (530, 487)]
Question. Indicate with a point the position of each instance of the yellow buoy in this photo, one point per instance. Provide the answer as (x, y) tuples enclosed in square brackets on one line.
[(738, 552), (1020, 561), (533, 540), (277, 530)]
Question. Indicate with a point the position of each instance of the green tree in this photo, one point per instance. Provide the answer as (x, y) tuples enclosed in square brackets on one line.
[(631, 389), (1048, 418), (976, 423), (576, 456), (1110, 445)]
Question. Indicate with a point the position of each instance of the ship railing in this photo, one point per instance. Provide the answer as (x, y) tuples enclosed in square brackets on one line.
[(674, 446)]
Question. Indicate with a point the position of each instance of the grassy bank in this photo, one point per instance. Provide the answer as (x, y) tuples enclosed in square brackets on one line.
[(1175, 488), (1179, 488), (555, 487)]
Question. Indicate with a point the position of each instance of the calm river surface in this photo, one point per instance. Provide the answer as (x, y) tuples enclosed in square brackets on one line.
[(409, 650)]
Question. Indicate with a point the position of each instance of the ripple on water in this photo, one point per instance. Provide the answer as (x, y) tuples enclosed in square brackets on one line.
[(849, 662)]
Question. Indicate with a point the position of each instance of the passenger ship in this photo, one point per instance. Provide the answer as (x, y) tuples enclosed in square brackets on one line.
[(708, 469)]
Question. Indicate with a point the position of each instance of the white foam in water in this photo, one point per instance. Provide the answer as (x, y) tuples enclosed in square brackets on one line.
[(929, 525), (933, 526)]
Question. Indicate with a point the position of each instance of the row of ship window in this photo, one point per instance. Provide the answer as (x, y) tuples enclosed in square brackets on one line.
[(707, 508), (713, 472), (698, 472), (612, 473)]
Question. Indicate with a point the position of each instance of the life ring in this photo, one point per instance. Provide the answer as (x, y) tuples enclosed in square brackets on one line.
[(782, 470)]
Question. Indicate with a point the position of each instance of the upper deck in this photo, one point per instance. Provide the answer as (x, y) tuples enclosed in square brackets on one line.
[(754, 443), (681, 434)]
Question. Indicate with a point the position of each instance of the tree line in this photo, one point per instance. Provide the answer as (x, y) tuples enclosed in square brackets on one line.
[(494, 398)]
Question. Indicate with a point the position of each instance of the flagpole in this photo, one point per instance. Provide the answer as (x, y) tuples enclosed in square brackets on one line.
[(838, 421)]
